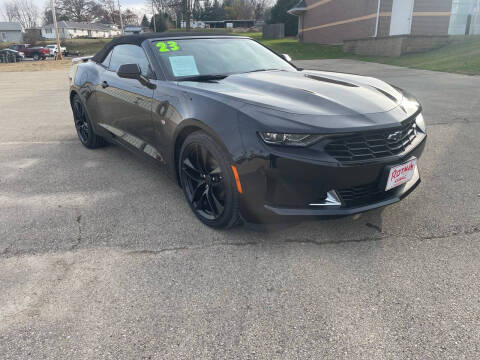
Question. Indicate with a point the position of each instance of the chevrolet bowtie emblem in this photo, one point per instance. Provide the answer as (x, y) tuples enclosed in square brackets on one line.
[(394, 136)]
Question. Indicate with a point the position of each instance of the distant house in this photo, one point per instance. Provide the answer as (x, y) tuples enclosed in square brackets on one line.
[(194, 24), (220, 24), (132, 29), (71, 30), (10, 32)]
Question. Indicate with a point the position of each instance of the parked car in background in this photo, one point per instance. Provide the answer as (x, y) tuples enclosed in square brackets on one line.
[(9, 55), (54, 49), (36, 52)]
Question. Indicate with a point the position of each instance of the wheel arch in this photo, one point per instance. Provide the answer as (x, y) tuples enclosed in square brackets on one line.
[(72, 94), (77, 92), (183, 131)]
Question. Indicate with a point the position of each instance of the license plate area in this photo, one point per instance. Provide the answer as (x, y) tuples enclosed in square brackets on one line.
[(400, 174)]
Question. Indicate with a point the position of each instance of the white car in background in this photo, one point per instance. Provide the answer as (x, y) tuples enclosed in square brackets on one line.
[(54, 49)]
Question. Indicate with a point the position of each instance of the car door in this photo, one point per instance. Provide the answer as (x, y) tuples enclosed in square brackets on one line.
[(125, 105)]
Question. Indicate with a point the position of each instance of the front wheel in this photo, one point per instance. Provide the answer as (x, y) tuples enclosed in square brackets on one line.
[(208, 182), (36, 57)]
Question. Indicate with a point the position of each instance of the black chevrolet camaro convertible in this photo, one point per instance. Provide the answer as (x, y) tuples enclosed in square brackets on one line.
[(246, 134)]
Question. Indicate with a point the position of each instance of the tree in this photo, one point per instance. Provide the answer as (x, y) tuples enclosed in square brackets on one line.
[(239, 9), (80, 10), (212, 11), (25, 12), (129, 17), (197, 11), (110, 15), (169, 7), (48, 17), (218, 11), (145, 22), (4, 14), (267, 14), (160, 23), (279, 15), (260, 6)]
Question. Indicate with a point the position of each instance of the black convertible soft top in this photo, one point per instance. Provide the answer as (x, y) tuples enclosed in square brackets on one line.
[(139, 38)]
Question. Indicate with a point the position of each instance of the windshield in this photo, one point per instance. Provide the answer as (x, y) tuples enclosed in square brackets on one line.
[(223, 56)]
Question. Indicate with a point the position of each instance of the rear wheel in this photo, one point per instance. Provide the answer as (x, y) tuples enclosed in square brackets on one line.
[(207, 181), (83, 125)]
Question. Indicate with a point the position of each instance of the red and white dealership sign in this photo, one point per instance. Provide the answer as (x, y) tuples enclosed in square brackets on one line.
[(401, 174)]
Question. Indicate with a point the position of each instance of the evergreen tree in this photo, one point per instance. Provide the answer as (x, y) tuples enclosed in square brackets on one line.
[(160, 23), (218, 12), (145, 22), (279, 15)]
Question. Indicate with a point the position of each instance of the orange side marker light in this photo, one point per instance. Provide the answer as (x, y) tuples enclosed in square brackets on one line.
[(237, 179)]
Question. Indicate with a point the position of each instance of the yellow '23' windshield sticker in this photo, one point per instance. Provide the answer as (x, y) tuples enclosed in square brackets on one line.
[(167, 46)]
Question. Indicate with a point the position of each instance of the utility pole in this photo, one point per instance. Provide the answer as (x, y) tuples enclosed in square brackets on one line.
[(54, 15), (154, 20), (187, 14), (121, 20)]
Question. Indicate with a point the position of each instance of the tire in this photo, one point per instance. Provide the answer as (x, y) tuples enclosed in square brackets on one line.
[(36, 57), (83, 125), (208, 182)]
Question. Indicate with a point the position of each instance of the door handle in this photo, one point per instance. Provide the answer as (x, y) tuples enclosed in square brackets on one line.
[(105, 84)]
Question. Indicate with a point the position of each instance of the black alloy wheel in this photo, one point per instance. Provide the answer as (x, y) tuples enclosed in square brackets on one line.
[(83, 126), (207, 181), (204, 182), (81, 123)]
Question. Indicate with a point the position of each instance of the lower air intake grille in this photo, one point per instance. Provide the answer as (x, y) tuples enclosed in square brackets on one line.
[(364, 194)]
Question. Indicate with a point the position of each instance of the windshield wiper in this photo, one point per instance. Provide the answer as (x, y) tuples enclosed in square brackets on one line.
[(203, 77)]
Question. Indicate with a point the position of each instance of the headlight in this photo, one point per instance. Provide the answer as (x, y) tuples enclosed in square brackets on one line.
[(421, 123), (289, 139)]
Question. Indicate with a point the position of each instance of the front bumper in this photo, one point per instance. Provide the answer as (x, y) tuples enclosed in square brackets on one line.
[(343, 210), (285, 186)]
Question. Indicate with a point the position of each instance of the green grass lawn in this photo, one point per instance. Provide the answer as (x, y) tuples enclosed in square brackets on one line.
[(461, 55)]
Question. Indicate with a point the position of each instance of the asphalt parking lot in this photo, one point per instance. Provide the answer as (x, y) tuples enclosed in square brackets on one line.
[(100, 256)]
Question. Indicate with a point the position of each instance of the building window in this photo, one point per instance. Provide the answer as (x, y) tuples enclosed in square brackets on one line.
[(4, 36)]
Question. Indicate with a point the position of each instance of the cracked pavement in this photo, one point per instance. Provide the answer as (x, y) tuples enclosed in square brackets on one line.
[(100, 256)]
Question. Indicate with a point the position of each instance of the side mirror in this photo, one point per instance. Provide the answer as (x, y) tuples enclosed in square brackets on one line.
[(129, 71), (286, 57)]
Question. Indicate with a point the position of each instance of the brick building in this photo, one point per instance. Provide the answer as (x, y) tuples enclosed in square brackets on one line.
[(332, 21)]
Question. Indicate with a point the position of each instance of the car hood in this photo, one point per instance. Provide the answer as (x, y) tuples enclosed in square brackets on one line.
[(305, 92)]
